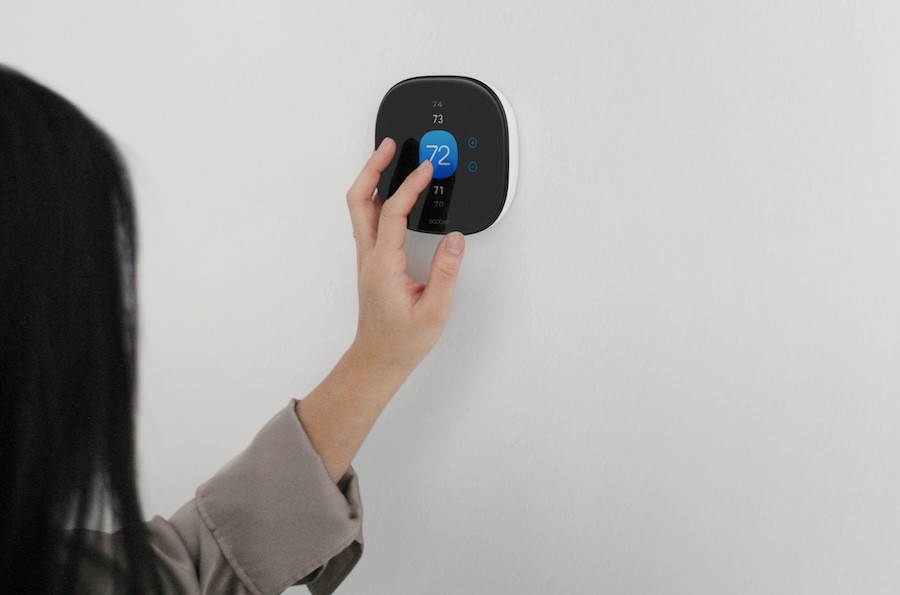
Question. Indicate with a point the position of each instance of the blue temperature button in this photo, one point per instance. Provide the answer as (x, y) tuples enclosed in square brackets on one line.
[(439, 146)]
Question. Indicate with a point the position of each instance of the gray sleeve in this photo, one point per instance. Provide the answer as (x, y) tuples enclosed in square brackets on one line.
[(269, 519)]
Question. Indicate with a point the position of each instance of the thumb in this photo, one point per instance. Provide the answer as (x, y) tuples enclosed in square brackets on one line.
[(445, 265)]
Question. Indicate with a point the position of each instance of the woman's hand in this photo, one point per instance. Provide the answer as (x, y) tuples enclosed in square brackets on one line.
[(400, 320)]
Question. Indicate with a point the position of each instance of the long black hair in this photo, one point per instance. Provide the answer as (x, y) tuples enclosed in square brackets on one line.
[(67, 345)]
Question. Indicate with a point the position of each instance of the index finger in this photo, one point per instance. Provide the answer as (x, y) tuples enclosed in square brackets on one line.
[(392, 223)]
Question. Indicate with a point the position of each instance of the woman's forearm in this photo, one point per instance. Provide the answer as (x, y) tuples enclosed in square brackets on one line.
[(339, 413)]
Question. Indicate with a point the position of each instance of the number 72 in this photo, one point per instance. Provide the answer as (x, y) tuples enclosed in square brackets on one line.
[(444, 149)]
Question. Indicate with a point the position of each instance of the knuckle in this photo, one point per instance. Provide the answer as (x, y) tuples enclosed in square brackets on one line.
[(391, 209), (447, 267), (378, 261), (434, 317)]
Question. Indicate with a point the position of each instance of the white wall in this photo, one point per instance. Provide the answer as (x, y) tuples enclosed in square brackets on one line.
[(672, 368)]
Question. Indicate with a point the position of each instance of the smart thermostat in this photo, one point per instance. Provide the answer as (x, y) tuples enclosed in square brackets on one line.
[(467, 130)]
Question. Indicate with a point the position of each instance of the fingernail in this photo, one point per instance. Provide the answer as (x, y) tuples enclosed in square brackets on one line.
[(383, 144), (455, 243), (422, 165)]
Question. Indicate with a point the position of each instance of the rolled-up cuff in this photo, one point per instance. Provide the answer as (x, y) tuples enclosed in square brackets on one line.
[(277, 516)]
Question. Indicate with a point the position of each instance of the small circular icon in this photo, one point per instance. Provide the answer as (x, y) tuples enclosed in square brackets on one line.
[(472, 142), (473, 166)]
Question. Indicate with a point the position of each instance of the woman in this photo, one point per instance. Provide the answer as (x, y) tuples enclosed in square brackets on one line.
[(285, 511)]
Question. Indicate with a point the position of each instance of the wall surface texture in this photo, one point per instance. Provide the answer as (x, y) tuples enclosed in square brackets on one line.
[(674, 367)]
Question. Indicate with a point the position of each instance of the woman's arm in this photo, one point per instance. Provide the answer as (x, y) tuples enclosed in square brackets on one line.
[(400, 320)]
